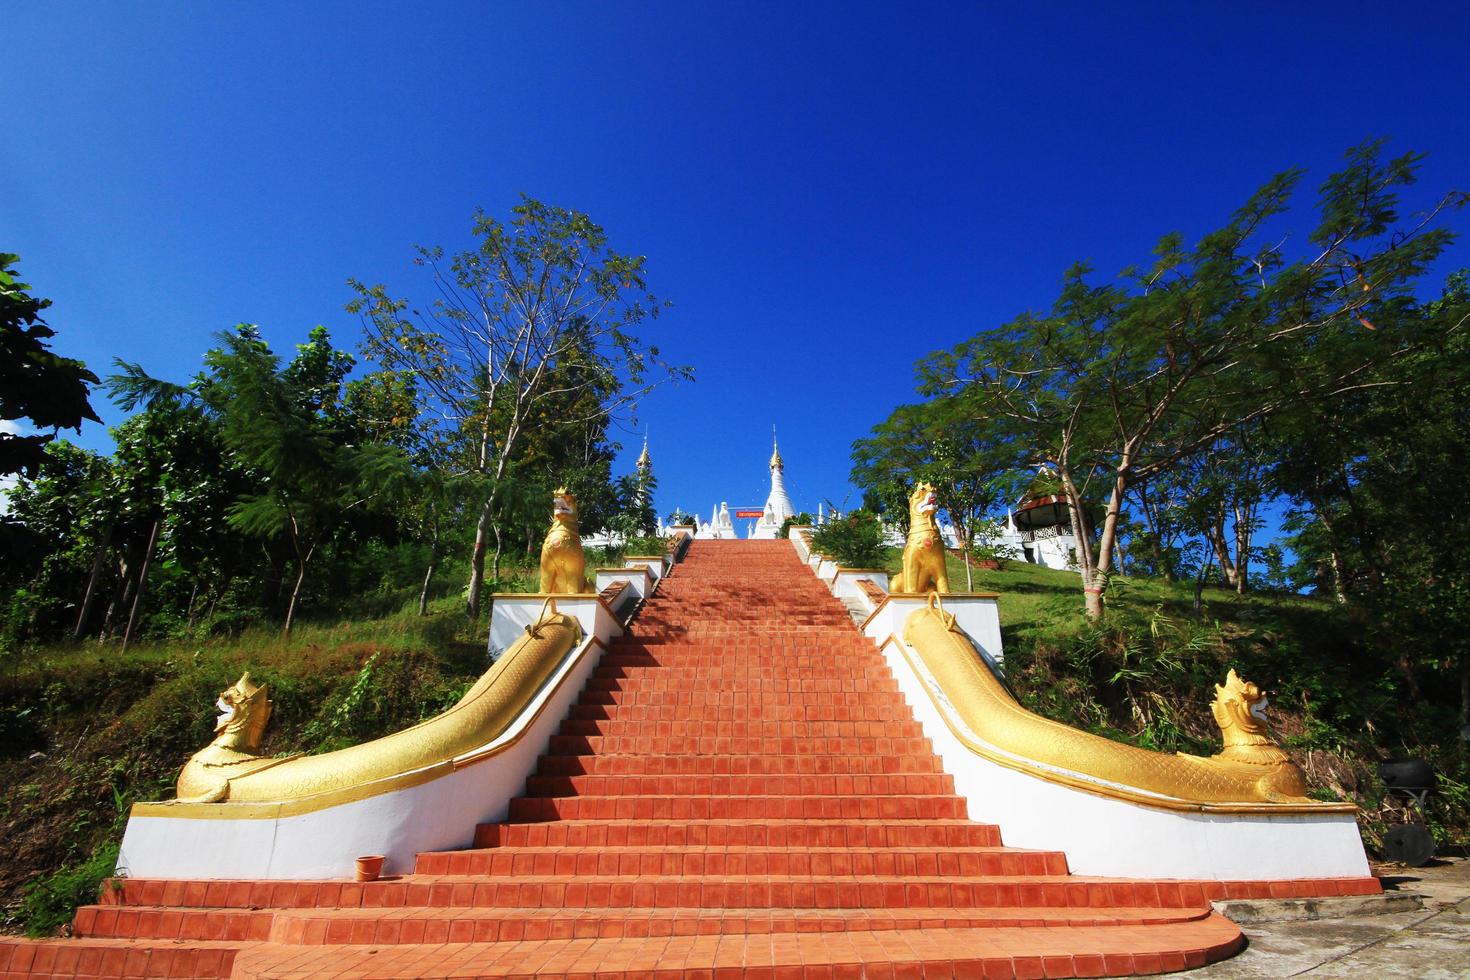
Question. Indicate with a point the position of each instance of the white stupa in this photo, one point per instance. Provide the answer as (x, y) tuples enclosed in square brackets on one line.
[(778, 505)]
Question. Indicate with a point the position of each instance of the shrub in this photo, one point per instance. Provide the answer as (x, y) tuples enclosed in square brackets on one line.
[(853, 541), (50, 901), (797, 520)]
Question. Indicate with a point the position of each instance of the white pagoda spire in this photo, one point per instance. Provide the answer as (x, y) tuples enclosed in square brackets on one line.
[(778, 504)]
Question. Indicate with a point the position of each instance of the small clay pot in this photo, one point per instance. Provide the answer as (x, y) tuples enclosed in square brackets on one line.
[(369, 866)]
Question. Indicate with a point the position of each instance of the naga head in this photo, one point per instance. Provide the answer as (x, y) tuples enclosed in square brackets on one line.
[(244, 711), (1240, 711), (564, 507), (922, 503)]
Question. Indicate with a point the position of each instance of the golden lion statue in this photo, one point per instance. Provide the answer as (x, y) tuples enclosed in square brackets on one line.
[(923, 553), (563, 566)]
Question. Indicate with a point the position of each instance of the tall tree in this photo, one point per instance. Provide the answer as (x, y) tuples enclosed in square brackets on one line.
[(1127, 380), (542, 290)]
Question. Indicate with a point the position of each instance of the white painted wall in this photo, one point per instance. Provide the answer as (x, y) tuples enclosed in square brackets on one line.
[(637, 580), (977, 615), (512, 613), (845, 584)]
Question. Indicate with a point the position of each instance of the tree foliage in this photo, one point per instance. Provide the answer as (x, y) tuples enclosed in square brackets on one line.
[(35, 384), (530, 330)]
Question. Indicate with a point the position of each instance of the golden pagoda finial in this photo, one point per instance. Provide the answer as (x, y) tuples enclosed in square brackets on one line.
[(776, 463)]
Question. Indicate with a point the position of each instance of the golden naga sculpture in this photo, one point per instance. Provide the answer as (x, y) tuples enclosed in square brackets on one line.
[(244, 711), (563, 566), (923, 553), (227, 771), (1252, 769)]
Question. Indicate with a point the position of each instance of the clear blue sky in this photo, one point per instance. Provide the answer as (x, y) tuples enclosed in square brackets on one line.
[(825, 191)]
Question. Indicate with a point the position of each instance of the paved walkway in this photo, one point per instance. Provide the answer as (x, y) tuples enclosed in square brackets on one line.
[(1432, 943)]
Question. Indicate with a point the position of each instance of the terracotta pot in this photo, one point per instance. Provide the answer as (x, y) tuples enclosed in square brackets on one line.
[(369, 866)]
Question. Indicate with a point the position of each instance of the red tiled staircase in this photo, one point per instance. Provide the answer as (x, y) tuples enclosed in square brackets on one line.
[(740, 791)]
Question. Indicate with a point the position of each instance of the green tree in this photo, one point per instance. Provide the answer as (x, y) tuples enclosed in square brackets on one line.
[(1381, 513), (971, 469), (35, 384), (540, 291), (308, 469), (1122, 382)]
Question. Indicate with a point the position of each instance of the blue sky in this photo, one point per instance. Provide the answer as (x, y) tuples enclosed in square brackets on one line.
[(825, 191)]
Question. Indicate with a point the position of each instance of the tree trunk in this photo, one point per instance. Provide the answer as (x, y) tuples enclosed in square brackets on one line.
[(1245, 518), (90, 595), (142, 585), (428, 577), (122, 592), (1215, 535), (1091, 589), (295, 595), (193, 598), (499, 552), (1199, 582), (477, 564), (1334, 555)]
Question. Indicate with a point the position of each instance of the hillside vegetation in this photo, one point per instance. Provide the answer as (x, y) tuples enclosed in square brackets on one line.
[(87, 730)]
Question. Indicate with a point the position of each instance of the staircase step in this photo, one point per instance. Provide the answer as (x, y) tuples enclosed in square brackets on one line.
[(727, 745), (740, 833), (742, 691), (1080, 951), (844, 785), (721, 891), (172, 922), (704, 807), (489, 925), (45, 958), (665, 860), (689, 765), (706, 715), (697, 727)]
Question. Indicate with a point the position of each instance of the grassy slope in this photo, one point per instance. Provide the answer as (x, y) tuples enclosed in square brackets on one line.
[(84, 732)]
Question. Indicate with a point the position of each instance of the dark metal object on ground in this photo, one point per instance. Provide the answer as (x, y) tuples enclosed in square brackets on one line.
[(1410, 776), (1409, 844)]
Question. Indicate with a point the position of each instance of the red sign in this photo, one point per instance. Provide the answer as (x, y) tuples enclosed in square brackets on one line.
[(750, 513)]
